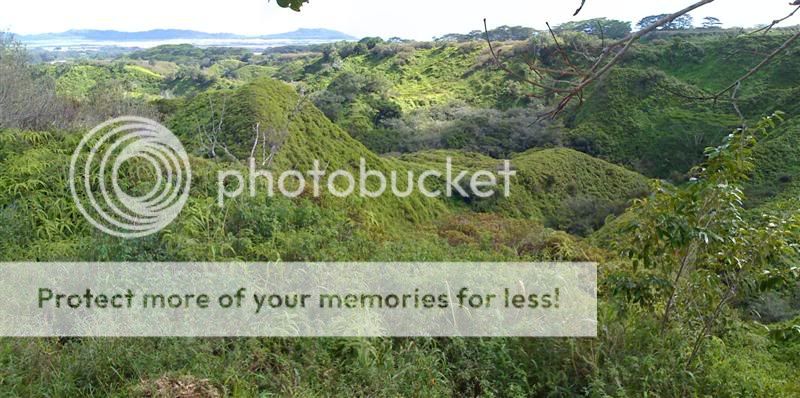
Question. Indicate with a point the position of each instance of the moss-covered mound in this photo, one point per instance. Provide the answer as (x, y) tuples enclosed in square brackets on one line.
[(564, 188), (299, 134)]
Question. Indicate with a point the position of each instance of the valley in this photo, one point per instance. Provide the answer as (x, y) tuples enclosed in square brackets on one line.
[(642, 176)]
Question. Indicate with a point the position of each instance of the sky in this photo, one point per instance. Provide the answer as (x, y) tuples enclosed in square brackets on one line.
[(411, 19)]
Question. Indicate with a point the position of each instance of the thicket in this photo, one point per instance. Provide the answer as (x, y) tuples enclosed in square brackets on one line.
[(600, 27), (502, 33), (30, 99), (497, 133), (188, 54)]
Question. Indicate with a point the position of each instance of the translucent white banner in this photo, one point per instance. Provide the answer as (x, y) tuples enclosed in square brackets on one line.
[(298, 299)]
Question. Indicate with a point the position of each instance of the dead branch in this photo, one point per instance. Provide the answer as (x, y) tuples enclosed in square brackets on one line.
[(597, 71), (255, 142), (736, 106), (769, 27), (272, 140), (578, 11), (614, 53), (602, 33), (602, 65), (213, 136), (509, 71), (758, 67), (560, 49)]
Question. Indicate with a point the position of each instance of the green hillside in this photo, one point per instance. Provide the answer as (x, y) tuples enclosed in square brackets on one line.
[(419, 76), (633, 118), (638, 116), (563, 188), (682, 211), (304, 135), (79, 81)]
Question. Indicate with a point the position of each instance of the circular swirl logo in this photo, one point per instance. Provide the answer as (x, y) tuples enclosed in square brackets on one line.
[(130, 177)]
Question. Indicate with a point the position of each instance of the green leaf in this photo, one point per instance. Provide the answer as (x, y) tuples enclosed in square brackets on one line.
[(293, 4)]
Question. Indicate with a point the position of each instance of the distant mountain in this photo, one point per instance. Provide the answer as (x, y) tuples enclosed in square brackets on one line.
[(177, 34), (113, 35), (311, 34)]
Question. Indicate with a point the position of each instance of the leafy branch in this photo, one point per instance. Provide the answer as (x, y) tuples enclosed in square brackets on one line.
[(295, 5), (699, 231)]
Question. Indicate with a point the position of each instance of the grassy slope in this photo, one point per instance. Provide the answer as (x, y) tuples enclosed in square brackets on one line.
[(547, 181), (632, 118), (275, 107), (78, 80), (38, 224), (617, 122), (42, 225), (426, 77), (716, 63)]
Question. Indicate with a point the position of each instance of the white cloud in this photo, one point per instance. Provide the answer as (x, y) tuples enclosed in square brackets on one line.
[(418, 19)]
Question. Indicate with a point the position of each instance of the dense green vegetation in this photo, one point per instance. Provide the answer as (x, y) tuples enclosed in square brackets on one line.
[(81, 81), (706, 236)]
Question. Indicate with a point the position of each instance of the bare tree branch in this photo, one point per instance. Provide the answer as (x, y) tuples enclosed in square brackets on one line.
[(769, 27), (758, 67), (214, 135), (508, 70), (612, 54), (602, 33), (598, 71), (257, 131), (560, 49), (578, 11), (615, 50), (602, 65), (736, 105)]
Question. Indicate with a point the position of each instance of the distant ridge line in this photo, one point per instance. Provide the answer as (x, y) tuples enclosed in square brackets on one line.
[(175, 34)]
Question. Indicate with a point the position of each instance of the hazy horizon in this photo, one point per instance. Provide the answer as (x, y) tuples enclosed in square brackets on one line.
[(412, 19)]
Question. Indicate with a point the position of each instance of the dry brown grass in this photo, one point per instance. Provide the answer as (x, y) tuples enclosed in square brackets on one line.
[(178, 387)]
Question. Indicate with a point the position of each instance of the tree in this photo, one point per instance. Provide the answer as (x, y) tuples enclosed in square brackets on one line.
[(502, 33), (452, 38), (505, 33), (646, 22), (699, 232), (711, 23), (608, 28), (371, 42), (684, 21), (27, 100)]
